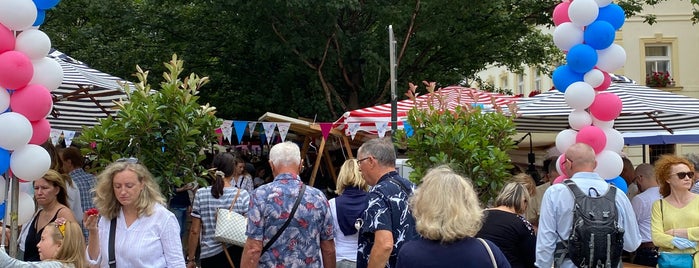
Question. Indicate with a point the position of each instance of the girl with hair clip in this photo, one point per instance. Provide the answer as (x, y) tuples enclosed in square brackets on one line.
[(221, 194), (62, 246)]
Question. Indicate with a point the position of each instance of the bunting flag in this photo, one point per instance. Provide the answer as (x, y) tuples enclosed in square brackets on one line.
[(408, 129), (251, 128), (219, 136), (240, 129), (283, 130), (353, 128), (226, 130), (381, 128), (55, 135), (269, 130), (68, 136), (325, 129)]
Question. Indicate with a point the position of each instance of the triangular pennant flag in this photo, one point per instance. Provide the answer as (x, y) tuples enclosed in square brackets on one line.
[(325, 129), (381, 128), (408, 129), (240, 129), (55, 135), (226, 130), (68, 136), (251, 127), (283, 129), (269, 130), (353, 128), (219, 136)]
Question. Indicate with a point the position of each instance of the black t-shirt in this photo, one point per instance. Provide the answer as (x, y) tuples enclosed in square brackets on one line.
[(512, 234)]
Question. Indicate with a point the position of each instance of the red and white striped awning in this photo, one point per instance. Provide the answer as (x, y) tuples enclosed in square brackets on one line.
[(452, 96)]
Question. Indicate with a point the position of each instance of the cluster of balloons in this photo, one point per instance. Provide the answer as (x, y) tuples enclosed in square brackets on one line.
[(585, 31), (27, 77)]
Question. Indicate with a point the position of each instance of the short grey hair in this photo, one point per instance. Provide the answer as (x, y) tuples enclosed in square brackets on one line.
[(285, 154), (381, 149)]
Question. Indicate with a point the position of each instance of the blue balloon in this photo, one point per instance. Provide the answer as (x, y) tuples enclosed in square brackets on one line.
[(599, 35), (45, 4), (40, 16), (613, 14), (4, 160), (2, 211), (581, 58), (620, 183), (563, 76)]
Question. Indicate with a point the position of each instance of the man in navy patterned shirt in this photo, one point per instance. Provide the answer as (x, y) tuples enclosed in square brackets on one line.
[(387, 223)]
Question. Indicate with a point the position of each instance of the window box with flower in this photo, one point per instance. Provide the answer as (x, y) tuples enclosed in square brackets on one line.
[(659, 79)]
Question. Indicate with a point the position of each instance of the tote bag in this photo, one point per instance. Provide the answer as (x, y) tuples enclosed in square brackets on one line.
[(230, 226)]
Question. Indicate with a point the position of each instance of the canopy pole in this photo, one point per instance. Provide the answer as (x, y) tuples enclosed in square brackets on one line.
[(394, 97)]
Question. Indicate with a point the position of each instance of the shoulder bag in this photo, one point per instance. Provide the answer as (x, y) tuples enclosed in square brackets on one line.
[(490, 252), (230, 225), (674, 259)]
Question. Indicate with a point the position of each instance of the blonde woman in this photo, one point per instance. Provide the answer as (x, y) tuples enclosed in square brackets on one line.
[(346, 209), (448, 216), (508, 229), (147, 233), (62, 245)]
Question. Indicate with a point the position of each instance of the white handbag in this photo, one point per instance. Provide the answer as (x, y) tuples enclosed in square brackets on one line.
[(230, 226)]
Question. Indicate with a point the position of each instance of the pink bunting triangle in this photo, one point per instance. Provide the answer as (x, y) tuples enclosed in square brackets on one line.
[(325, 129)]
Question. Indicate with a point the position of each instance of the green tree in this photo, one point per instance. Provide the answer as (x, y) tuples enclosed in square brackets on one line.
[(165, 128), (307, 57), (474, 143)]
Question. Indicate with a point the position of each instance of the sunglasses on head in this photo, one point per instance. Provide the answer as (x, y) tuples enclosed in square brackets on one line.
[(132, 160), (681, 175)]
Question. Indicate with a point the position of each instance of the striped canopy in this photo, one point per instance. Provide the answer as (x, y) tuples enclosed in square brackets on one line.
[(452, 96), (85, 95), (644, 109)]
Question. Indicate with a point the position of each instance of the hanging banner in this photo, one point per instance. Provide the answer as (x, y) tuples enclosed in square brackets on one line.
[(269, 130), (68, 135), (408, 129), (55, 135), (353, 128), (283, 130), (381, 128), (251, 128), (240, 129), (226, 130), (325, 129)]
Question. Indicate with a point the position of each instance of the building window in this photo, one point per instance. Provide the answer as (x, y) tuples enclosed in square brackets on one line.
[(503, 82), (520, 84), (658, 58), (655, 151), (537, 80)]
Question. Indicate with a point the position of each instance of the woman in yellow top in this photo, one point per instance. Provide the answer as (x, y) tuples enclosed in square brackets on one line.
[(675, 225)]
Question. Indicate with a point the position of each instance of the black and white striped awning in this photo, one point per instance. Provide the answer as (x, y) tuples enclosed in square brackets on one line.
[(644, 109), (85, 95)]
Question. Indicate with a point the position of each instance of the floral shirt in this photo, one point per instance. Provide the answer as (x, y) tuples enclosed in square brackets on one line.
[(299, 244), (387, 210)]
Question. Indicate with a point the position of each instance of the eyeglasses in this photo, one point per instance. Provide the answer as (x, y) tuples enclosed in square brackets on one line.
[(682, 175), (132, 160), (359, 162)]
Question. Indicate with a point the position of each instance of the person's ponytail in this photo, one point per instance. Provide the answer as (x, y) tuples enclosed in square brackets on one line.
[(217, 186)]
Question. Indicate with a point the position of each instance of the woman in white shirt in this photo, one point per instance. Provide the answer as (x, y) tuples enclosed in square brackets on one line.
[(346, 209), (147, 233)]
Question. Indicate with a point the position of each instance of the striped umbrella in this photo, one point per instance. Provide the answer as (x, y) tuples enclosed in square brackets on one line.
[(84, 96), (644, 109), (451, 97)]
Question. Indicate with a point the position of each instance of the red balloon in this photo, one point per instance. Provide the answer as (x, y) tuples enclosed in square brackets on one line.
[(593, 136), (560, 13), (33, 101), (606, 106), (16, 70), (605, 83), (7, 39), (42, 131)]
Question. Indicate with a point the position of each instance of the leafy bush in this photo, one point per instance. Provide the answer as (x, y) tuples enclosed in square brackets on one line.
[(474, 143), (166, 129)]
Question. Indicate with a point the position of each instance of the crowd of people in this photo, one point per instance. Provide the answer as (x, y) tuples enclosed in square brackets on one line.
[(377, 219)]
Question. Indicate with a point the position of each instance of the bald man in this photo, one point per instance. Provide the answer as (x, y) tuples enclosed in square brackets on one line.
[(556, 218), (647, 253)]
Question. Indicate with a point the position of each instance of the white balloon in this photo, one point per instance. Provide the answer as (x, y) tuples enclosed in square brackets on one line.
[(603, 3), (47, 72), (4, 100), (612, 58), (30, 162), (15, 131), (34, 43), (17, 14), (565, 139), (25, 210), (566, 35), (579, 95), (594, 77), (609, 164), (615, 141), (602, 124), (583, 12), (578, 119)]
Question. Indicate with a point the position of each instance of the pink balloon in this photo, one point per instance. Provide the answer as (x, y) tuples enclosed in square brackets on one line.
[(16, 70), (605, 83), (33, 101), (560, 13), (42, 131), (559, 179), (7, 39), (561, 165), (606, 106), (593, 136)]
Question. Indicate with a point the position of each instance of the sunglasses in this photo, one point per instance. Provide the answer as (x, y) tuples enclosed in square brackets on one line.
[(132, 160), (682, 175)]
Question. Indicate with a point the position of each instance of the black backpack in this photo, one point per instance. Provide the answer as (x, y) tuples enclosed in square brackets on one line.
[(596, 240)]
